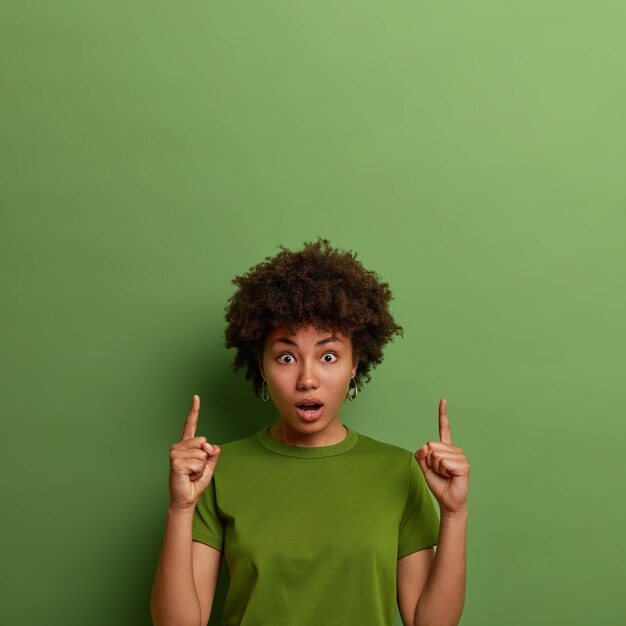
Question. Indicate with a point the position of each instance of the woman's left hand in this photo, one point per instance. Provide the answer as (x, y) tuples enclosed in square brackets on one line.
[(445, 468)]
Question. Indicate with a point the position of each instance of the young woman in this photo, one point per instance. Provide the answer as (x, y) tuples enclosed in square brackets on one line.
[(318, 523)]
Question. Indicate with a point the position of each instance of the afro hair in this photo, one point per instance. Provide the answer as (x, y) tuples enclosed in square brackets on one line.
[(318, 286)]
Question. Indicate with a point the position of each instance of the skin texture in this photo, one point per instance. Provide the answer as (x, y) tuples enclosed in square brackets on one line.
[(295, 372)]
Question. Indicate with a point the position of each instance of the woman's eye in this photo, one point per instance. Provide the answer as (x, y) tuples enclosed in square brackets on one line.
[(283, 356), (330, 354)]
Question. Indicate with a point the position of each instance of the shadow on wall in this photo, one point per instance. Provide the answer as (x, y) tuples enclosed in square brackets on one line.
[(229, 410)]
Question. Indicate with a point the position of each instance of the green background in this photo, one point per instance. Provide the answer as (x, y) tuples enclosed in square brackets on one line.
[(471, 153)]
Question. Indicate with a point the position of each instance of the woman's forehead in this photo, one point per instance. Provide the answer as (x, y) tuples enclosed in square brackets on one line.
[(305, 334)]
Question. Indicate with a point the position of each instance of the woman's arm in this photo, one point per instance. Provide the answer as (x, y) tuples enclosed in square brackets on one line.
[(184, 567), (443, 597), (186, 577), (206, 569), (446, 472), (174, 600), (412, 574)]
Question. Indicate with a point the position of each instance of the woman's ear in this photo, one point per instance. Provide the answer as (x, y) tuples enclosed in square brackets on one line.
[(260, 363)]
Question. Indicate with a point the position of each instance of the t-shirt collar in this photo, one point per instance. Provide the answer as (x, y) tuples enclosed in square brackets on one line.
[(305, 452)]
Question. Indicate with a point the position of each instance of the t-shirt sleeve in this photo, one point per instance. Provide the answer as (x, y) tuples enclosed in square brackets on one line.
[(419, 527), (207, 527)]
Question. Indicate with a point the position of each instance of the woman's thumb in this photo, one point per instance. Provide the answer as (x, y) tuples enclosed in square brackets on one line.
[(420, 457), (213, 452), (212, 449), (209, 468)]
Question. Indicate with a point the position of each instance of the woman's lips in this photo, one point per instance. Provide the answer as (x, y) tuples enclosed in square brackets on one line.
[(309, 416)]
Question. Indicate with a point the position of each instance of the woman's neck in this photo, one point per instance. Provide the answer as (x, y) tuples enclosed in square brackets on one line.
[(291, 437)]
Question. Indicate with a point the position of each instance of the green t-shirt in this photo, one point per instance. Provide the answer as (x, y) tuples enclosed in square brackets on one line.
[(312, 535)]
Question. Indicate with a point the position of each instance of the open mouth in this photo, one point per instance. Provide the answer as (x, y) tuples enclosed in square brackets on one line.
[(309, 411), (309, 407)]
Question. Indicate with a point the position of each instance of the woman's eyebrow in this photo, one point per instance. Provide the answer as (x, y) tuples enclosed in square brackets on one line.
[(319, 343)]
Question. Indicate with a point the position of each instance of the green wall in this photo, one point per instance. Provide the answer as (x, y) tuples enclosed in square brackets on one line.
[(472, 153)]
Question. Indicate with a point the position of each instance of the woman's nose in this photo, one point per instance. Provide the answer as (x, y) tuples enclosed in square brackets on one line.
[(307, 378)]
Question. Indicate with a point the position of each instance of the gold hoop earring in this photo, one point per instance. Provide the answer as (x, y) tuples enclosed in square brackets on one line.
[(265, 386), (356, 390)]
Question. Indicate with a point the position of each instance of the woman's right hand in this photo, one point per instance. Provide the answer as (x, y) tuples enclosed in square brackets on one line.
[(192, 463)]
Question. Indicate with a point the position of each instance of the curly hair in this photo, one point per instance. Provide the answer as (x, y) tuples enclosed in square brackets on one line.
[(318, 286)]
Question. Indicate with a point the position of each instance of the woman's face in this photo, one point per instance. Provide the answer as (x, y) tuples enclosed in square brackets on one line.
[(310, 365)]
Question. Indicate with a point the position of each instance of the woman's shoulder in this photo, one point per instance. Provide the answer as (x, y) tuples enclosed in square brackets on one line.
[(240, 444), (391, 450)]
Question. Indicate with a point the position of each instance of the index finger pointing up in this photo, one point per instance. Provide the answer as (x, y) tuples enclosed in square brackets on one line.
[(189, 430), (444, 426)]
